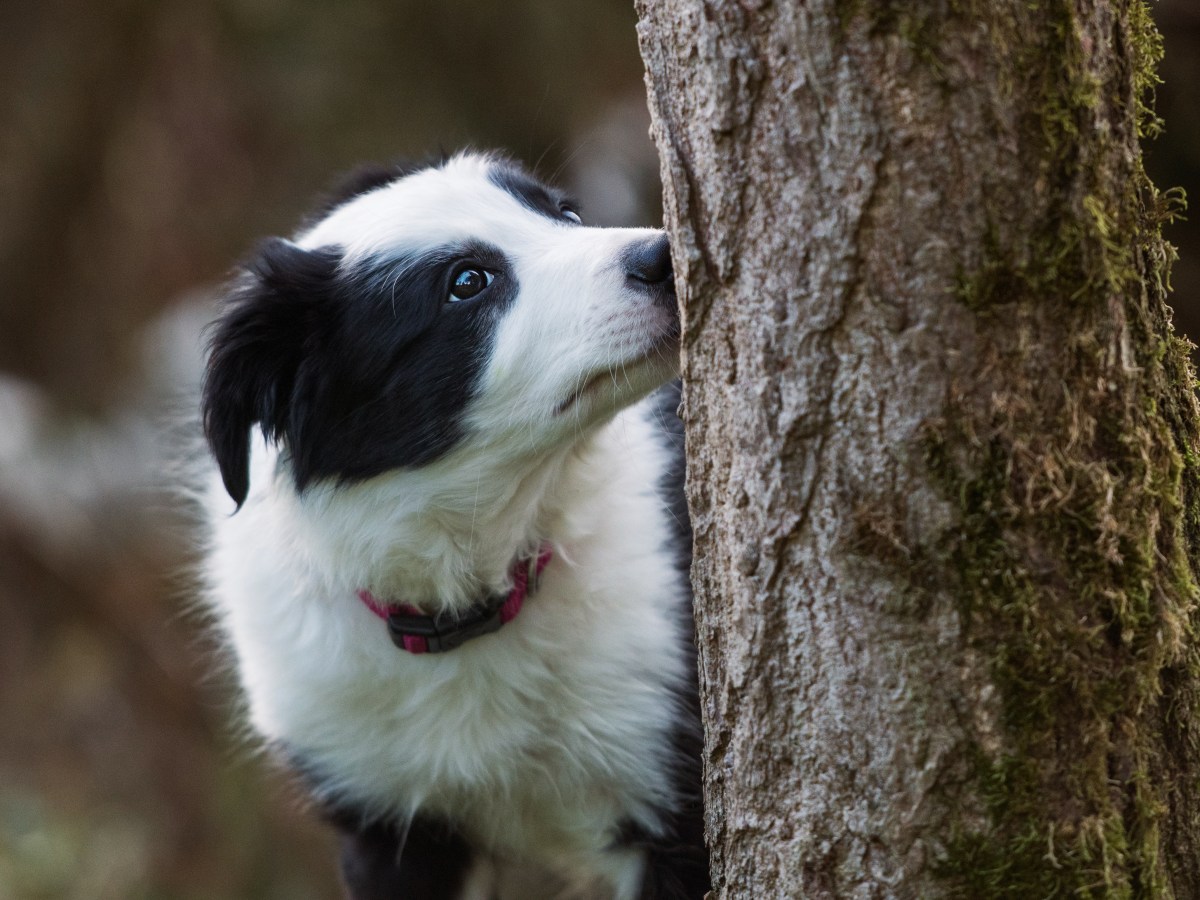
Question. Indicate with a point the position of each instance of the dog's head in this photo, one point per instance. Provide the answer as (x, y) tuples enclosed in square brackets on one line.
[(460, 302)]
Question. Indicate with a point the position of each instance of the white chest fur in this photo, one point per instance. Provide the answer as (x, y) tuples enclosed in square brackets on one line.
[(537, 740)]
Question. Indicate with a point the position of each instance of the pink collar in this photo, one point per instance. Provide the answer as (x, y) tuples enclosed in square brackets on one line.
[(412, 630)]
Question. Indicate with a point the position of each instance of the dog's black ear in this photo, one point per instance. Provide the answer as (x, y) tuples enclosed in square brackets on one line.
[(270, 320)]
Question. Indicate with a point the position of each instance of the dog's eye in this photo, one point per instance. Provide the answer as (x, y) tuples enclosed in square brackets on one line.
[(468, 282), (569, 213)]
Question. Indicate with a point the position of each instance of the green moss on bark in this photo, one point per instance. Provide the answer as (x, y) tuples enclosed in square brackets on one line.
[(1075, 477), (1070, 456)]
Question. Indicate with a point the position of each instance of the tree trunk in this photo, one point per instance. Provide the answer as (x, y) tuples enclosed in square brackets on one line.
[(942, 447)]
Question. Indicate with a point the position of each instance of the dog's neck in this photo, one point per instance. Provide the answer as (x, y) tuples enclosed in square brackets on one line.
[(445, 536)]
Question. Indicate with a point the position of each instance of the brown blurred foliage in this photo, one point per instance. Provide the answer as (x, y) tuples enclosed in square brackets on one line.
[(144, 146), (145, 142), (1174, 158)]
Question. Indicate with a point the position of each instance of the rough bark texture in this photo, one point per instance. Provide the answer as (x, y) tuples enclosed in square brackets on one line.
[(942, 447)]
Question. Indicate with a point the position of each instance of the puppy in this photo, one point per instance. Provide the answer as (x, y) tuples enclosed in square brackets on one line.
[(443, 547)]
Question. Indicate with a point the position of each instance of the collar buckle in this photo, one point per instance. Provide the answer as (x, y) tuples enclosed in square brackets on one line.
[(442, 633)]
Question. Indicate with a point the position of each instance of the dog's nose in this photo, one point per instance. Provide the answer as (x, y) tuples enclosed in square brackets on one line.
[(648, 270), (649, 261)]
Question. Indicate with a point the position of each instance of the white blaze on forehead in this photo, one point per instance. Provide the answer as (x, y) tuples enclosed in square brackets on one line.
[(431, 208)]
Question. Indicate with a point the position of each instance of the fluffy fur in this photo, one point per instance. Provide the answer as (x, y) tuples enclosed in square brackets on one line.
[(376, 432)]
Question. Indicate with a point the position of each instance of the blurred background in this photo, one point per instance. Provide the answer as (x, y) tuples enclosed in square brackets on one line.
[(144, 146)]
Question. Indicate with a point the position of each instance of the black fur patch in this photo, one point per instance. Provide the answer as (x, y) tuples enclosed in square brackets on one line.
[(366, 178), (355, 372), (677, 862), (359, 181), (256, 350), (380, 861), (531, 193), (664, 410), (385, 859)]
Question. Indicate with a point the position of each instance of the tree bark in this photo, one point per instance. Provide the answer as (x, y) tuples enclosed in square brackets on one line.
[(942, 443)]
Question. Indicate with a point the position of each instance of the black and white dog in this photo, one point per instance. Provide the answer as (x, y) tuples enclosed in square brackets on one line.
[(452, 583)]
